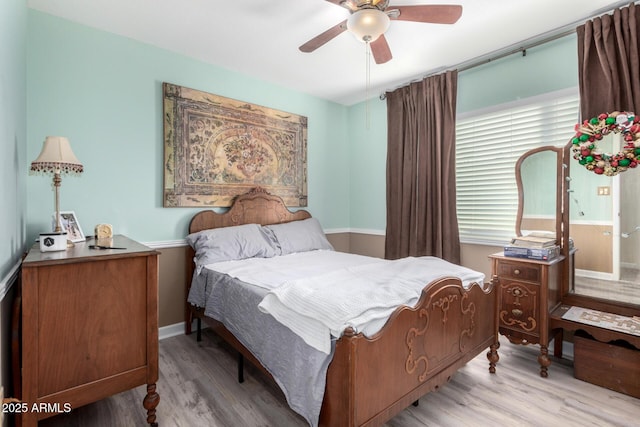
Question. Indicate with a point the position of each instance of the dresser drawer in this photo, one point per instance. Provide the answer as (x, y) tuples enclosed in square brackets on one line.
[(519, 307), (519, 271)]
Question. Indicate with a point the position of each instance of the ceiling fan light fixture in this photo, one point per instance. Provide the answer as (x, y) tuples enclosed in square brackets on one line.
[(368, 24)]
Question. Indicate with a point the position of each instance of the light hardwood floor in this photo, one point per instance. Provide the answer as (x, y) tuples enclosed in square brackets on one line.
[(198, 387)]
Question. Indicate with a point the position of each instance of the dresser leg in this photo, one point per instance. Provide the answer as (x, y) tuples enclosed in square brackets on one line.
[(493, 357), (150, 402), (544, 361)]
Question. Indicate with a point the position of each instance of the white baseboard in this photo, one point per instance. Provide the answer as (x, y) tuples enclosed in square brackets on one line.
[(593, 274), (170, 330), (9, 280), (632, 265), (175, 329)]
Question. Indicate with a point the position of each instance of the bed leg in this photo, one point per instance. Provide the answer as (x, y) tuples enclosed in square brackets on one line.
[(198, 329), (240, 368), (416, 403), (493, 357)]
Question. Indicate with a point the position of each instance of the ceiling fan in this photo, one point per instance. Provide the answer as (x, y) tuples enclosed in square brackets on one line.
[(371, 18)]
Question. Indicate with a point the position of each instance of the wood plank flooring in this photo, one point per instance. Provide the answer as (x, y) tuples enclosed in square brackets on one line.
[(198, 387)]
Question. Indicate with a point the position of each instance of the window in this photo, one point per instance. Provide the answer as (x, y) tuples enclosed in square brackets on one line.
[(488, 144)]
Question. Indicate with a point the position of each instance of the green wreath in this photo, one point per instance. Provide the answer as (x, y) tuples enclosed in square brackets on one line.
[(589, 132)]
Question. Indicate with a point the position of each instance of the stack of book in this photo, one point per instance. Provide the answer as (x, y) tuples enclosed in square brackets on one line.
[(533, 247)]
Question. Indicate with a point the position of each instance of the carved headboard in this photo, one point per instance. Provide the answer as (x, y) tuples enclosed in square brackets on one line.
[(255, 207)]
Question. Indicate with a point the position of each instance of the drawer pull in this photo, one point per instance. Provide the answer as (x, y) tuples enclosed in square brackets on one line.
[(516, 312), (516, 271)]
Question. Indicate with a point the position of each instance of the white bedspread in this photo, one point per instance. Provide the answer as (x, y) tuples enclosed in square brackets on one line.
[(318, 294), (269, 273)]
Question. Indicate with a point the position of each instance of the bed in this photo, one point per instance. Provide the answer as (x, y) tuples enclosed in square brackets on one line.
[(358, 380)]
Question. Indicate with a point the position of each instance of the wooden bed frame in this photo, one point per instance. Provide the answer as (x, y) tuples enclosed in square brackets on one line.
[(419, 349)]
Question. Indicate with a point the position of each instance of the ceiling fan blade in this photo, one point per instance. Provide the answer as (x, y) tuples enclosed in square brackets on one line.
[(322, 38), (380, 50), (432, 14)]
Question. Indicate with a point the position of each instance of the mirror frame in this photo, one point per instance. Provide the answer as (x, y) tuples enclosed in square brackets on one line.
[(559, 186), (569, 296), (567, 284)]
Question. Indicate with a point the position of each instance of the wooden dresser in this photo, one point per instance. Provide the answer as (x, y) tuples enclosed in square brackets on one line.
[(89, 327), (528, 290)]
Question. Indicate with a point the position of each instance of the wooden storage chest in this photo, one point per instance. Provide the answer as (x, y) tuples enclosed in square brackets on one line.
[(615, 367)]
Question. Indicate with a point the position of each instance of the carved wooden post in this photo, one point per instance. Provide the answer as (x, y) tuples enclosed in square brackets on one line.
[(544, 361), (150, 402), (493, 357)]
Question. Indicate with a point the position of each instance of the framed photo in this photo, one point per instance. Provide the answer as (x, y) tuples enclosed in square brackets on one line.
[(69, 223)]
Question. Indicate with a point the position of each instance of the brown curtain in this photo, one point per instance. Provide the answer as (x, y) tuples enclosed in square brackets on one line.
[(421, 187), (609, 64)]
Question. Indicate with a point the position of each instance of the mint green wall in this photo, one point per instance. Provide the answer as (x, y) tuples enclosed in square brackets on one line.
[(13, 30), (545, 68), (367, 165), (104, 92)]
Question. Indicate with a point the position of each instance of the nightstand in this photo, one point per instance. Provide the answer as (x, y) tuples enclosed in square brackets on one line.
[(528, 290), (89, 327)]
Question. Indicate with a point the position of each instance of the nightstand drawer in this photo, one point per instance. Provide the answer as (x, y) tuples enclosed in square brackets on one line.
[(519, 271), (519, 307)]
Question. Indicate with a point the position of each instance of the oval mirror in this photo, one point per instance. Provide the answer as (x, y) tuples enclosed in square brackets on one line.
[(538, 172)]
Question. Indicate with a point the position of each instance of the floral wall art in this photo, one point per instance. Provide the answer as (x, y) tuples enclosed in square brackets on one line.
[(216, 148)]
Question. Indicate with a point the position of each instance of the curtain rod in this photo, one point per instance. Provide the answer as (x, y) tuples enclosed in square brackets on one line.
[(522, 46)]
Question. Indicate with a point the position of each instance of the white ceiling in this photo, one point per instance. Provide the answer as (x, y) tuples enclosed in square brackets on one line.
[(260, 38)]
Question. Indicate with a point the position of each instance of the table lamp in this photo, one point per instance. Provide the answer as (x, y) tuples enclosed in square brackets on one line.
[(57, 159)]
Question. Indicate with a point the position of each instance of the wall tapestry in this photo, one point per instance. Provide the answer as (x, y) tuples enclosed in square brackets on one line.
[(216, 148)]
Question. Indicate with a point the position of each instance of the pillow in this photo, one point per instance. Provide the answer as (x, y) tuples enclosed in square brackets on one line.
[(299, 236), (232, 243)]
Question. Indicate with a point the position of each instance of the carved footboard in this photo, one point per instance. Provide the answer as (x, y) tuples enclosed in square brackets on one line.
[(372, 379)]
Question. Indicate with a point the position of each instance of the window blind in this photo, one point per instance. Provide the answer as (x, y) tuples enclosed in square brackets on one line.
[(488, 144)]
